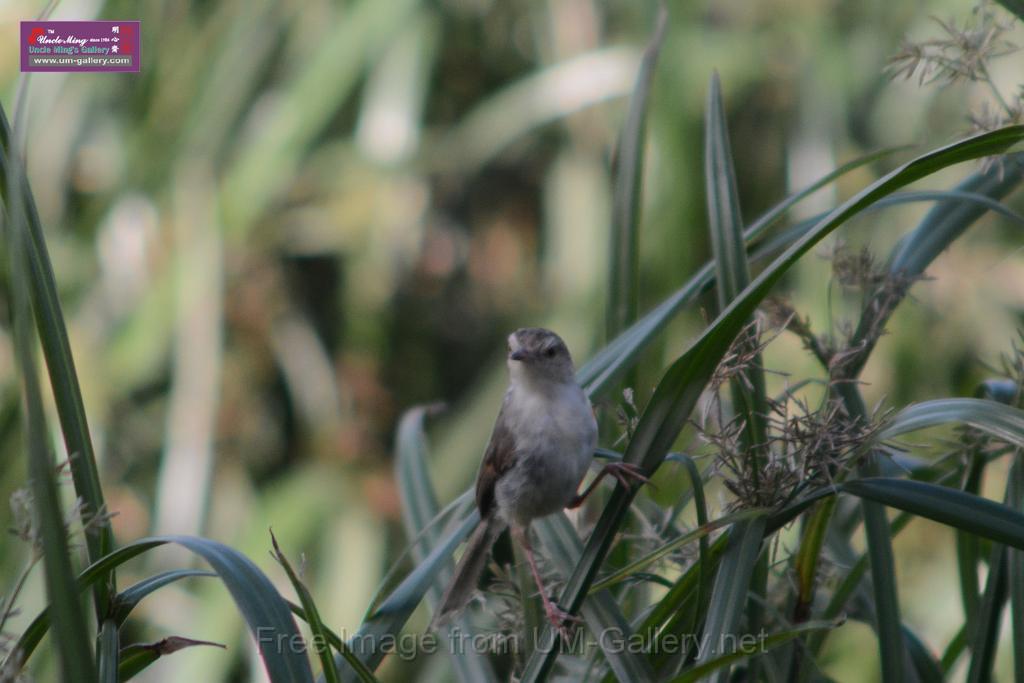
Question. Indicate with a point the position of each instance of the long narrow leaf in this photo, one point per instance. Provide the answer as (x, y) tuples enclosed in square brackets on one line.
[(729, 595), (108, 652), (996, 419), (948, 219), (925, 666), (1015, 576), (945, 505), (59, 362), (72, 641), (126, 600), (419, 510), (321, 645), (986, 636), (662, 551), (891, 649), (623, 289)]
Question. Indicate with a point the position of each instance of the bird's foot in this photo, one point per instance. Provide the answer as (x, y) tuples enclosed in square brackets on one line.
[(627, 474), (561, 620)]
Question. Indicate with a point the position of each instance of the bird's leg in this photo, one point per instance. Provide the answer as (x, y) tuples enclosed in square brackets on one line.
[(626, 473), (556, 615)]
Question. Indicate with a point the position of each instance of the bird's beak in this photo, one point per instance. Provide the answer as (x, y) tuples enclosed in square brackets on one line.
[(518, 354)]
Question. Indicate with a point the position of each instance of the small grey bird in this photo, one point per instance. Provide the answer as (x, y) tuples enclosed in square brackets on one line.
[(541, 447)]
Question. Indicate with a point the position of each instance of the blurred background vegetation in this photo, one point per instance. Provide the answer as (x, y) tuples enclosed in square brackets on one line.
[(303, 217)]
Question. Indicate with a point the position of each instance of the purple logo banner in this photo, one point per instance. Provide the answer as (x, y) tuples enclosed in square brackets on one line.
[(80, 46)]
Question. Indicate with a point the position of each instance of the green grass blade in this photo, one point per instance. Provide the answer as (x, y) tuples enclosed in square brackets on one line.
[(108, 651), (700, 533), (946, 221), (806, 565), (321, 645), (59, 361), (704, 554), (952, 507), (776, 213), (455, 509), (848, 586), (1015, 576), (980, 201), (808, 556), (264, 609), (752, 647), (985, 638), (74, 652), (419, 511), (624, 267), (667, 616), (891, 649), (685, 380), (732, 273), (724, 218), (126, 600), (333, 639), (729, 596), (995, 419), (949, 219), (954, 649), (38, 627), (419, 501), (136, 657), (683, 383), (968, 548), (925, 666)]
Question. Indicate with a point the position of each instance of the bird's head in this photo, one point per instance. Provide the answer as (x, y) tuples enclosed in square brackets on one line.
[(539, 355)]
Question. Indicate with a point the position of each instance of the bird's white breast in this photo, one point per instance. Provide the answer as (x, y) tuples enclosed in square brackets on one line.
[(555, 435)]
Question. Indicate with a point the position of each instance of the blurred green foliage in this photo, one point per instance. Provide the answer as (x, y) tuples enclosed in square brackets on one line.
[(303, 217)]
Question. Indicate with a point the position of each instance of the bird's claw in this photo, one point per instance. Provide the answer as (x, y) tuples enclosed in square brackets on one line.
[(627, 474), (561, 620)]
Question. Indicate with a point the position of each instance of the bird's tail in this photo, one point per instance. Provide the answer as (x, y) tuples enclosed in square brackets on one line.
[(468, 570)]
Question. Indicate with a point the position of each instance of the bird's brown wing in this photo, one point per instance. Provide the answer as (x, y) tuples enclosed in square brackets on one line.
[(498, 459)]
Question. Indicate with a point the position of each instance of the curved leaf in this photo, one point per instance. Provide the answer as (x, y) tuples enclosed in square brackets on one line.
[(126, 600), (994, 418), (948, 506), (265, 611), (136, 657), (321, 645)]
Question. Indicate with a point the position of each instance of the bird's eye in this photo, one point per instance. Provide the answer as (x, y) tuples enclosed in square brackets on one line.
[(550, 353)]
